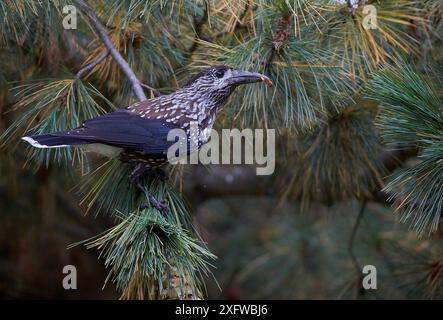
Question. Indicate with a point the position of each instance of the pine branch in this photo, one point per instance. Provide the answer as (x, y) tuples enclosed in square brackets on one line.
[(357, 265), (52, 106), (199, 21), (154, 91), (411, 115), (103, 35), (150, 245), (92, 65), (174, 249)]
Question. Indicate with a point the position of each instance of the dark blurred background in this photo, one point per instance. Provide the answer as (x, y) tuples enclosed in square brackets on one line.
[(264, 251), (358, 120)]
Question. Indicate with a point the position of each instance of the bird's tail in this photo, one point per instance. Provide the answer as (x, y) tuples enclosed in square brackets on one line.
[(55, 140)]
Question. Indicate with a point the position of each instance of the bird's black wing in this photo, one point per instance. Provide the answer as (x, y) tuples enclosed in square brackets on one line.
[(128, 131)]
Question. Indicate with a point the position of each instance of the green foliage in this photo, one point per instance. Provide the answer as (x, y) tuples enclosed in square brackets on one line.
[(296, 253), (366, 49), (306, 83), (145, 252), (151, 12), (319, 56), (53, 106), (411, 115), (417, 190), (337, 160), (411, 108), (36, 27), (422, 267), (14, 17), (108, 188)]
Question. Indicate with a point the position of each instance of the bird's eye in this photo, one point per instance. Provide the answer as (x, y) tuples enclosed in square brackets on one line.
[(219, 73)]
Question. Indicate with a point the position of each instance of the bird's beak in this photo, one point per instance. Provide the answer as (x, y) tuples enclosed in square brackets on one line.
[(242, 77)]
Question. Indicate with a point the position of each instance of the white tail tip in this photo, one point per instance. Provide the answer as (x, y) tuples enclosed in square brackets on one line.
[(36, 144)]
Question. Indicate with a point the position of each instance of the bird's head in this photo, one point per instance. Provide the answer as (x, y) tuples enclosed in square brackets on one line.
[(225, 79)]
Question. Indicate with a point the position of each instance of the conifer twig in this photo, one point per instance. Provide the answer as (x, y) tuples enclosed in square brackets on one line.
[(357, 265), (154, 91), (354, 233), (92, 65), (280, 36), (199, 21), (103, 35)]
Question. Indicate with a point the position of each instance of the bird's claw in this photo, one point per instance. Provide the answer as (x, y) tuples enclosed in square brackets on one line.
[(136, 177), (137, 174), (152, 202)]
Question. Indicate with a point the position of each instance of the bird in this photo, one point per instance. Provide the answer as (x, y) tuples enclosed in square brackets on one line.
[(137, 134)]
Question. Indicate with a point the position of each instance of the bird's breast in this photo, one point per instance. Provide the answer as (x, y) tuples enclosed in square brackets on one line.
[(205, 134), (206, 128)]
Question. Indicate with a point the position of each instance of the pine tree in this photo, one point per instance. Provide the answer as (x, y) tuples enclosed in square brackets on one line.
[(356, 105)]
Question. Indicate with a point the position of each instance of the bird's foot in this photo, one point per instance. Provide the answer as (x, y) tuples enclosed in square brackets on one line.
[(136, 178), (152, 202), (137, 174)]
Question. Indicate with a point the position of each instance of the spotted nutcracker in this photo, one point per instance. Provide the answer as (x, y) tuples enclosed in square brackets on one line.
[(138, 133)]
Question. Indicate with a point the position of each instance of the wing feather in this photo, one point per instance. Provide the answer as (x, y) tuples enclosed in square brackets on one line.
[(126, 130)]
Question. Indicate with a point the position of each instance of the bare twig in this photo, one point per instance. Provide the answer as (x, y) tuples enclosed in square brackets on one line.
[(102, 33), (198, 25), (154, 91), (92, 65), (357, 266), (353, 234)]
